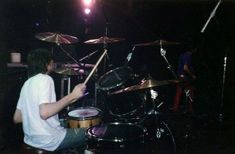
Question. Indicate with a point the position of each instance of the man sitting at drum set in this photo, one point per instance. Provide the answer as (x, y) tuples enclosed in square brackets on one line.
[(37, 108)]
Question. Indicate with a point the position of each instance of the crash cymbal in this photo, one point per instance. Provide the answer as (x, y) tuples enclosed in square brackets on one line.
[(146, 84), (104, 39), (157, 42), (56, 38)]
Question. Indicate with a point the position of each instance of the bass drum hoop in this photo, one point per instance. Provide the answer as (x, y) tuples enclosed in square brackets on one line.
[(116, 139)]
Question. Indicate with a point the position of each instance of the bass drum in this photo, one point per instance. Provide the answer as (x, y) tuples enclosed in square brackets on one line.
[(126, 105), (115, 136)]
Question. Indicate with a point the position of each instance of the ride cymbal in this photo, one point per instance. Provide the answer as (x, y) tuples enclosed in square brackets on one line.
[(157, 42), (56, 38), (146, 85), (104, 39)]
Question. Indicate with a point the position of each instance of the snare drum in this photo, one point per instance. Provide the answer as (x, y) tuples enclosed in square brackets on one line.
[(84, 117)]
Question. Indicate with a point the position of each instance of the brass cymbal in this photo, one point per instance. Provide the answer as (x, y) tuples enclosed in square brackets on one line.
[(157, 42), (56, 38), (67, 71), (146, 85), (80, 65), (104, 39)]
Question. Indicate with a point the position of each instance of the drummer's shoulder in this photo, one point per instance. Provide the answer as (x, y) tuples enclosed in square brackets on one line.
[(43, 78)]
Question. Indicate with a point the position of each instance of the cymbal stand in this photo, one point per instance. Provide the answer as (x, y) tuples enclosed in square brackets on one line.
[(163, 54), (154, 112), (220, 118), (67, 77), (159, 130), (69, 55), (169, 67), (106, 58), (88, 56)]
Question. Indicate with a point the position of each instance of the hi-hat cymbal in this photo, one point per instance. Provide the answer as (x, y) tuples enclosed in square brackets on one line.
[(67, 71), (146, 85), (56, 38), (104, 39), (80, 65), (157, 42)]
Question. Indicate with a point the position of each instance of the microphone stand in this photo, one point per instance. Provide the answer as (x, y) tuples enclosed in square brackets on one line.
[(220, 116), (211, 16)]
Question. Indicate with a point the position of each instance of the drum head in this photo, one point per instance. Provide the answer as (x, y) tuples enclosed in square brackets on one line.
[(114, 78), (84, 113), (116, 132), (125, 104)]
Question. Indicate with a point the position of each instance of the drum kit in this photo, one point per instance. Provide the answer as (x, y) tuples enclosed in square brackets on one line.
[(117, 84)]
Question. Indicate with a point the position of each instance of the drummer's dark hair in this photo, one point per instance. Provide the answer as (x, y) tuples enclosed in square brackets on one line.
[(38, 59)]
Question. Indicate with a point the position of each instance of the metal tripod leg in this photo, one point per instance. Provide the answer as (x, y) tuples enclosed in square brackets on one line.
[(62, 88)]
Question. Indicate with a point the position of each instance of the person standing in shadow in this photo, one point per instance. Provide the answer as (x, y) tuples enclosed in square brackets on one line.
[(187, 75)]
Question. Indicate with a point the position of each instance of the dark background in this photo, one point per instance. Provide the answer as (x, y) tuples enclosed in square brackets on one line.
[(137, 21)]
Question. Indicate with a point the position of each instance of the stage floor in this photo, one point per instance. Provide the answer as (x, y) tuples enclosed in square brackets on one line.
[(191, 135)]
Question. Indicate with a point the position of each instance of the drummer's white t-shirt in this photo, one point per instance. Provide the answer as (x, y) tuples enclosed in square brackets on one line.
[(44, 134)]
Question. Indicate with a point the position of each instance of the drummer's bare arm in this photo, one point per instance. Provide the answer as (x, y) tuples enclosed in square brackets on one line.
[(17, 118), (47, 110)]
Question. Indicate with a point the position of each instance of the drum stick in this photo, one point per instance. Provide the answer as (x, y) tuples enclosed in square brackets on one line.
[(96, 65)]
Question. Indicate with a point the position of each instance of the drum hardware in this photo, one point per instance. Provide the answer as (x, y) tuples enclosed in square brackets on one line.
[(163, 54), (68, 54), (169, 67), (81, 65), (146, 84), (211, 16), (88, 56), (104, 40), (129, 56), (69, 71), (57, 38), (155, 104), (157, 43), (73, 69)]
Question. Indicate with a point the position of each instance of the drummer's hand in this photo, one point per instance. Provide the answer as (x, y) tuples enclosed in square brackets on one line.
[(78, 91)]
